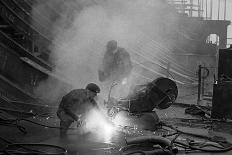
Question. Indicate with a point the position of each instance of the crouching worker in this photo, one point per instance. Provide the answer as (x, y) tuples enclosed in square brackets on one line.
[(75, 104)]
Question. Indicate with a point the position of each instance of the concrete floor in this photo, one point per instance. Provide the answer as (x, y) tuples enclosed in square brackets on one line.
[(78, 143)]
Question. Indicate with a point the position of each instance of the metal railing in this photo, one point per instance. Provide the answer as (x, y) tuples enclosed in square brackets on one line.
[(206, 9), (206, 79)]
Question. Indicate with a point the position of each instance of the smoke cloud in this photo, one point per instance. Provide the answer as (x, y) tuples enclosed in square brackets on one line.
[(80, 29)]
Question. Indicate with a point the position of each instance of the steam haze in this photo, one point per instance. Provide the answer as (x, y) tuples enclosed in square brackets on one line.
[(80, 34)]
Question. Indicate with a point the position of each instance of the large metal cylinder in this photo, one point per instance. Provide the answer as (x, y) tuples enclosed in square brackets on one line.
[(160, 94), (137, 108)]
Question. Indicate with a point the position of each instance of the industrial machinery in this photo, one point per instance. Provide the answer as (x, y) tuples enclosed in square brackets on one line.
[(222, 90), (136, 109)]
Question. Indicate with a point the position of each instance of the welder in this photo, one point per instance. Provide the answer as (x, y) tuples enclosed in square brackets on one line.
[(75, 104), (116, 63)]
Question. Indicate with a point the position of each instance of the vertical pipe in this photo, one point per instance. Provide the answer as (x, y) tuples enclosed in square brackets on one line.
[(211, 9), (182, 7), (206, 9), (191, 8), (224, 9), (203, 82), (203, 89), (202, 8), (219, 3), (199, 8), (199, 85)]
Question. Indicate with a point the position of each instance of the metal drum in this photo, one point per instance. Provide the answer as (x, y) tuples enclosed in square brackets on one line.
[(169, 88), (137, 109), (160, 94)]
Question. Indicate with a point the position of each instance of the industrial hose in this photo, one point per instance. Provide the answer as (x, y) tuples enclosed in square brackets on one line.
[(38, 149), (138, 148), (218, 150), (149, 139), (205, 150), (145, 145), (23, 129)]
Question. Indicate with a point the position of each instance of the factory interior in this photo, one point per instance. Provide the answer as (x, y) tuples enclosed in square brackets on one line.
[(115, 77)]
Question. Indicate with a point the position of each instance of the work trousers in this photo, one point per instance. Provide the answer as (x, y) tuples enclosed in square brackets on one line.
[(65, 122)]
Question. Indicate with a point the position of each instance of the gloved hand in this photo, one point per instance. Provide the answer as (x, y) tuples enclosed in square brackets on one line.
[(80, 123)]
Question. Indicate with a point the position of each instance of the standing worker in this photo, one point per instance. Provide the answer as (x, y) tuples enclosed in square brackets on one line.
[(75, 104), (108, 62), (116, 63)]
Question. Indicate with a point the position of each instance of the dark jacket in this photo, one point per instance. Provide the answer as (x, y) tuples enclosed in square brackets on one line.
[(76, 102), (116, 64)]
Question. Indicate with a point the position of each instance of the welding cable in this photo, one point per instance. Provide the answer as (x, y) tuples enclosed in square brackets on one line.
[(13, 148), (205, 144), (152, 152), (23, 129), (201, 109), (166, 144), (114, 83), (135, 152), (52, 149), (151, 139), (10, 143), (200, 136), (13, 123), (46, 126), (140, 148), (205, 150), (186, 133), (219, 148), (29, 114), (33, 122), (125, 149), (171, 134), (171, 147)]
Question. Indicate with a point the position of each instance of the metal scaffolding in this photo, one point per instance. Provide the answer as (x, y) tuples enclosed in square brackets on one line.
[(206, 9)]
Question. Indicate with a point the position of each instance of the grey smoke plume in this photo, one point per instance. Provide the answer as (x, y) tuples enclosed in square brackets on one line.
[(80, 29)]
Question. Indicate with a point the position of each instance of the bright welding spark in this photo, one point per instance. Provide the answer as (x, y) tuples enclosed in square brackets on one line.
[(124, 81), (108, 131), (121, 119), (98, 124)]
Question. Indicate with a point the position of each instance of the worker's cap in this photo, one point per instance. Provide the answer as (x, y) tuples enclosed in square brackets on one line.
[(93, 87)]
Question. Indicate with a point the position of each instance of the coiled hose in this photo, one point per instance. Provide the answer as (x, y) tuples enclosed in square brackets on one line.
[(145, 145)]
